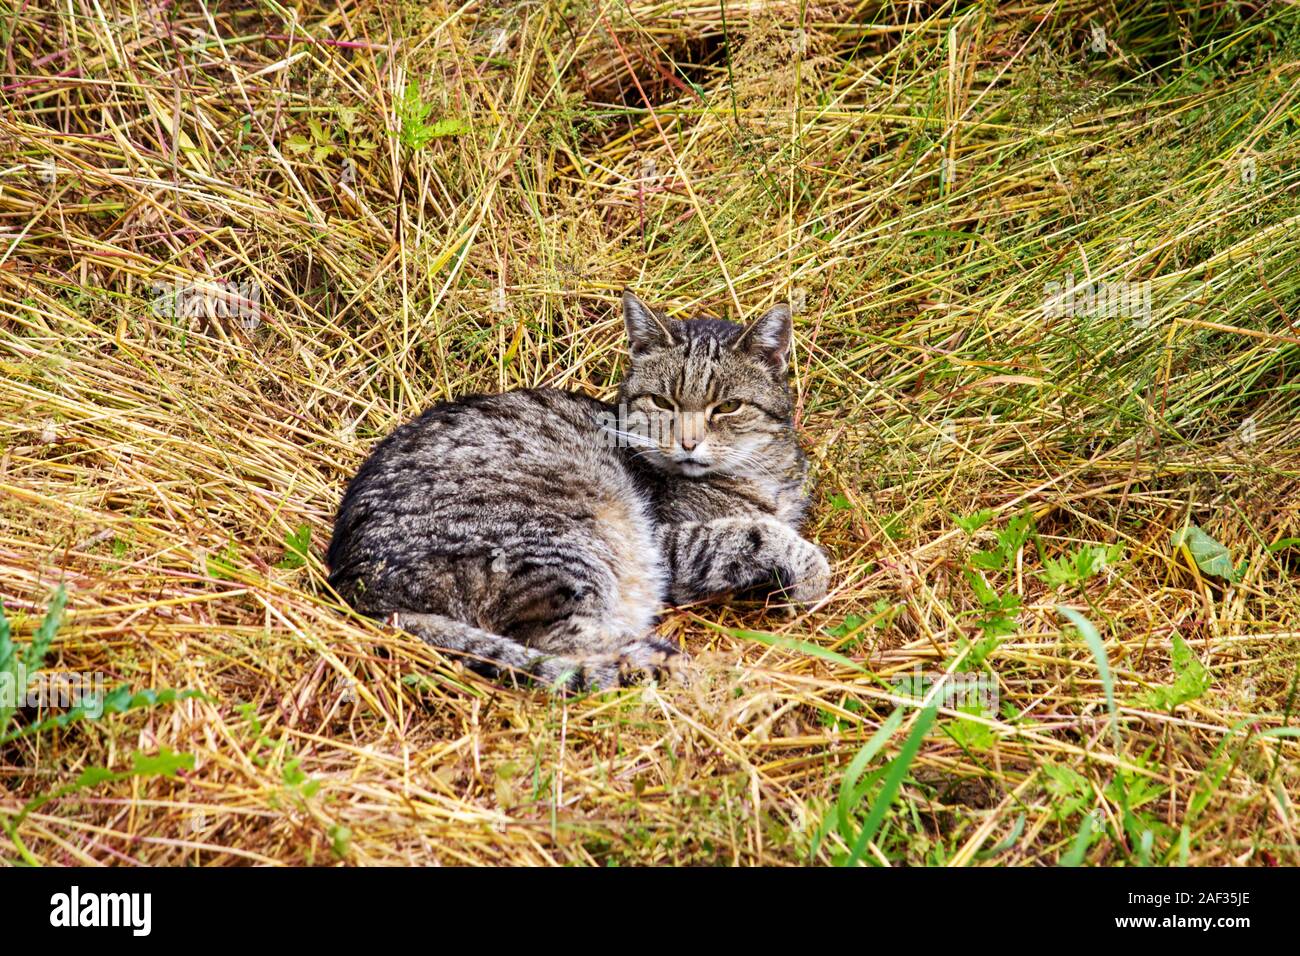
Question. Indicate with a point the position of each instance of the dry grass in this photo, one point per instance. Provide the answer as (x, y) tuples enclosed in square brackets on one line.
[(154, 464)]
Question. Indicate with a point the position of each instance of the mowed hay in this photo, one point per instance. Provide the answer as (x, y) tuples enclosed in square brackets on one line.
[(238, 248)]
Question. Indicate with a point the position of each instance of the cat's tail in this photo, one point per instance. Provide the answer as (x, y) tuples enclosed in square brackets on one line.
[(497, 656)]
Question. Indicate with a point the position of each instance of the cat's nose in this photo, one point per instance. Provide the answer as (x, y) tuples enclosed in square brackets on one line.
[(690, 431)]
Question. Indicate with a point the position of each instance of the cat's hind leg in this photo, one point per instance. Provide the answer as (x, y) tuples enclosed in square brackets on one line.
[(495, 655), (589, 638), (597, 605), (632, 661)]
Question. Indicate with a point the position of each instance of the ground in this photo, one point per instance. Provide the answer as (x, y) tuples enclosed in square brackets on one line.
[(1043, 263)]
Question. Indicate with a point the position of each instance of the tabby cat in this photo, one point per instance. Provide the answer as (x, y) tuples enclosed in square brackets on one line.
[(540, 532)]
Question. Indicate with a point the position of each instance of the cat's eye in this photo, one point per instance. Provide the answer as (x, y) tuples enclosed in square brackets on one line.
[(727, 407), (660, 402)]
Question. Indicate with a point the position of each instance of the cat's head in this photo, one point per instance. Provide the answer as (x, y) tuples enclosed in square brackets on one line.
[(707, 396)]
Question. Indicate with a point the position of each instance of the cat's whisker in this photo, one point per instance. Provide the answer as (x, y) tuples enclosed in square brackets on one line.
[(630, 438), (739, 459)]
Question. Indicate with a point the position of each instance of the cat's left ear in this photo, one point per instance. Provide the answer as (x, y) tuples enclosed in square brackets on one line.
[(769, 337), (645, 329)]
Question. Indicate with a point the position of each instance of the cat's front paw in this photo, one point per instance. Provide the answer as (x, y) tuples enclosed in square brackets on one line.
[(809, 577)]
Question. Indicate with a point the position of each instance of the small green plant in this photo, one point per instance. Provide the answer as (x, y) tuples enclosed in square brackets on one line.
[(1070, 790), (297, 545), (340, 840), (970, 734), (320, 144), (997, 621), (972, 523), (345, 140), (266, 752), (1074, 570), (1009, 542), (18, 669), (225, 564), (1191, 680), (297, 781), (852, 631), (1133, 790), (414, 131), (165, 763)]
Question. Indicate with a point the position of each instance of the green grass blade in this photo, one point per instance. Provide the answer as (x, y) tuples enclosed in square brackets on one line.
[(1098, 649), (893, 780)]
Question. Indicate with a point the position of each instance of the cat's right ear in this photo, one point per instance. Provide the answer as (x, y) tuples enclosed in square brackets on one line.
[(645, 330)]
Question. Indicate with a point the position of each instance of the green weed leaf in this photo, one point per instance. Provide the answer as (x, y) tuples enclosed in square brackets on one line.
[(1210, 556), (1191, 680)]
